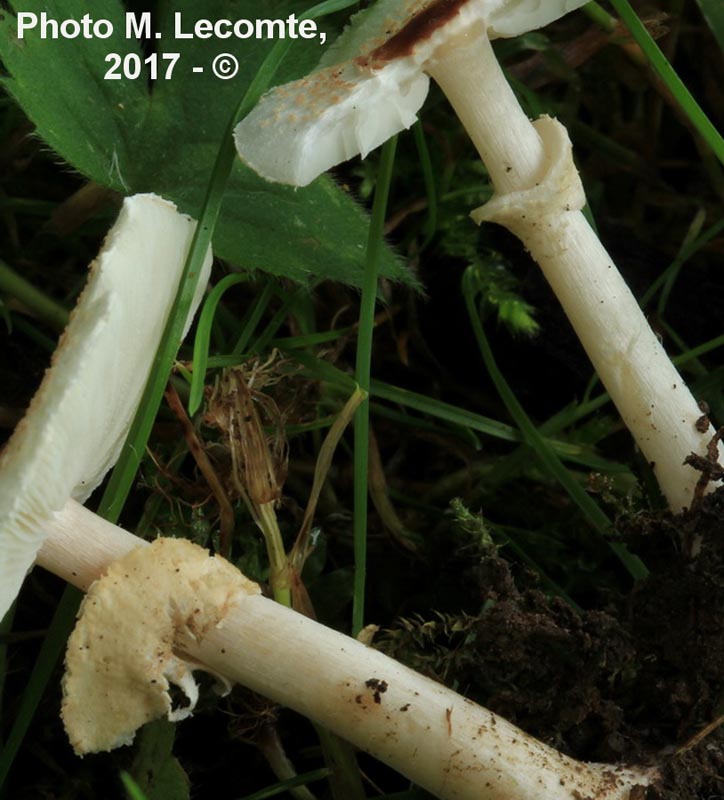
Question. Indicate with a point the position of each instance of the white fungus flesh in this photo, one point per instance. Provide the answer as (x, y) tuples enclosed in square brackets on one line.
[(75, 426), (371, 82), (133, 627)]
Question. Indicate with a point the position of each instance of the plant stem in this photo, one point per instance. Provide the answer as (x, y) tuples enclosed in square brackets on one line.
[(600, 16), (203, 337), (291, 785), (428, 175), (38, 302), (278, 563), (50, 651), (535, 440), (362, 376)]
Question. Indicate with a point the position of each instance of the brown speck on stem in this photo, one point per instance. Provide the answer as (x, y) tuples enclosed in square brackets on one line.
[(378, 686), (702, 424)]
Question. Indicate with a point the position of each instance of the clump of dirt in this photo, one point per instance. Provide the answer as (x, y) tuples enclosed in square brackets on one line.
[(639, 681), (675, 618)]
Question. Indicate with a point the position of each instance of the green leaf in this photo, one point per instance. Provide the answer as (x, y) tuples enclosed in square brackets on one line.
[(132, 139), (59, 83), (155, 771)]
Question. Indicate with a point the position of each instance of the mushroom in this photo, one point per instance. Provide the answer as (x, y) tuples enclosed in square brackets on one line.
[(177, 609), (370, 85), (373, 80), (75, 426)]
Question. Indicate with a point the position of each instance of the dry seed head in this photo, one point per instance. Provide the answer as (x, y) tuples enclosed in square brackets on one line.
[(259, 462)]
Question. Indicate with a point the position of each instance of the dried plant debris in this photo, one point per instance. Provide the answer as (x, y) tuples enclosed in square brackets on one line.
[(239, 409), (127, 648)]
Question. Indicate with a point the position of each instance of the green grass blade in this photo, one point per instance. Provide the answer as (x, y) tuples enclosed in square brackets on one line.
[(50, 652), (362, 376), (6, 625), (307, 340), (600, 16), (46, 308), (537, 442), (444, 411), (132, 789), (203, 337), (458, 417), (285, 786), (672, 81), (428, 175), (506, 533), (700, 350), (25, 326), (687, 250), (255, 314), (280, 315), (421, 424), (465, 419)]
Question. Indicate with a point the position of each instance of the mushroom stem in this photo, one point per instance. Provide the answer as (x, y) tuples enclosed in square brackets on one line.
[(468, 72), (80, 545), (538, 198), (438, 739)]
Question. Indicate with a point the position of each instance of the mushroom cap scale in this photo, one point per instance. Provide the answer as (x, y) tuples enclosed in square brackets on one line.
[(371, 82), (77, 421), (133, 623)]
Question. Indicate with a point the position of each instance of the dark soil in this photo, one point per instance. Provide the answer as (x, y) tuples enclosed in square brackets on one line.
[(639, 680)]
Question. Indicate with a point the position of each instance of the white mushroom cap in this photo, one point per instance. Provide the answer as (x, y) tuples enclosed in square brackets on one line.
[(77, 421), (371, 83)]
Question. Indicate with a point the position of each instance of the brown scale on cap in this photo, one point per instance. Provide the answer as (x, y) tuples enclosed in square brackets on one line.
[(420, 27)]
